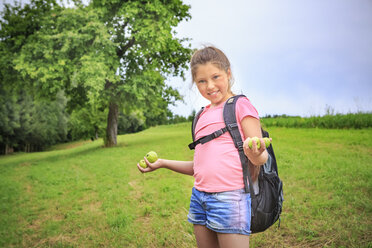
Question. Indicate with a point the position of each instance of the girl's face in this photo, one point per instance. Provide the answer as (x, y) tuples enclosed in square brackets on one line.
[(213, 83)]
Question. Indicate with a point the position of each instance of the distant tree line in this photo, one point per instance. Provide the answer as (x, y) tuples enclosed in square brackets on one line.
[(28, 124), (330, 120)]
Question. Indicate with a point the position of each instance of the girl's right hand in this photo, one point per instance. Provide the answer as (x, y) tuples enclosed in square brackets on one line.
[(150, 166)]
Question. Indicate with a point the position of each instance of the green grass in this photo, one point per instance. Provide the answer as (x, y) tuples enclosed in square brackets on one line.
[(83, 195)]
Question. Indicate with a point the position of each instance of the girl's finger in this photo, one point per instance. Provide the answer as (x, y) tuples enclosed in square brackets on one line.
[(149, 165), (263, 145), (140, 168), (144, 170)]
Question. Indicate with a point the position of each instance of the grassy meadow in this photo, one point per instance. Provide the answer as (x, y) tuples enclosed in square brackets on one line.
[(82, 195)]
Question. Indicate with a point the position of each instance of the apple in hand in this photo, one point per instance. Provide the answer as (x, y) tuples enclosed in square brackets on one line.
[(267, 142), (152, 156), (142, 163), (254, 139)]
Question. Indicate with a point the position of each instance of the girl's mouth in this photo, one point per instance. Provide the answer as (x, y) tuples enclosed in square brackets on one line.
[(213, 93)]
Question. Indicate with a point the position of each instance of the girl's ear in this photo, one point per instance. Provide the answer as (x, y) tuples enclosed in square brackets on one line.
[(230, 81), (228, 73)]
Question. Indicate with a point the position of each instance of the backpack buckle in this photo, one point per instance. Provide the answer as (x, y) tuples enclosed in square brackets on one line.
[(231, 99), (218, 133), (240, 145), (231, 126)]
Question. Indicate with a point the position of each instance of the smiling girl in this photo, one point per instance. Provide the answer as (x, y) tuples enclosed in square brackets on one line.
[(220, 210)]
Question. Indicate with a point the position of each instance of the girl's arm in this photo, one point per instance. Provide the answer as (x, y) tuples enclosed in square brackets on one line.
[(251, 128), (183, 167)]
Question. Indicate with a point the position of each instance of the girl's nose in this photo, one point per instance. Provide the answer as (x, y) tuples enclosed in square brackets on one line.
[(210, 84)]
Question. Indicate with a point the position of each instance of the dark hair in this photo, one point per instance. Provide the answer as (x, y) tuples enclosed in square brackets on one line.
[(212, 55)]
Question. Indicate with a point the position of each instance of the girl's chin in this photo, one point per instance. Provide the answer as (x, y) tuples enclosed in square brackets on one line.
[(217, 98)]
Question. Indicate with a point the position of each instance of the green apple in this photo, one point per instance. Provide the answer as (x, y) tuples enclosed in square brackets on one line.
[(267, 142), (142, 163), (152, 156), (255, 139), (258, 142), (250, 143)]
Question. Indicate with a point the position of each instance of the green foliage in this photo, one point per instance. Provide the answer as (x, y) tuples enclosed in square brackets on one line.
[(87, 122), (48, 124), (339, 121), (28, 124), (177, 119), (69, 197), (71, 52), (131, 123), (9, 119), (19, 22), (109, 53)]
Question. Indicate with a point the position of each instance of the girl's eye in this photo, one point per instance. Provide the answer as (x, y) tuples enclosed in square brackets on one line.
[(201, 81), (216, 76)]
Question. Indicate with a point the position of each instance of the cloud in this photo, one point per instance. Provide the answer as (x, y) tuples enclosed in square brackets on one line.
[(291, 57)]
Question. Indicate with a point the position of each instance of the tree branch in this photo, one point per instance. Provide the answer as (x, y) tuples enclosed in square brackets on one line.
[(123, 49)]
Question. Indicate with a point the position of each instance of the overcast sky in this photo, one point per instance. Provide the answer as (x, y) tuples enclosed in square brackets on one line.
[(294, 57)]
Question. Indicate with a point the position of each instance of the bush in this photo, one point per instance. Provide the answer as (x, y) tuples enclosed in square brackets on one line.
[(131, 123)]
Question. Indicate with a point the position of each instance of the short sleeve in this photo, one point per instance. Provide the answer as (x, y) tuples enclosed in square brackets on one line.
[(245, 108)]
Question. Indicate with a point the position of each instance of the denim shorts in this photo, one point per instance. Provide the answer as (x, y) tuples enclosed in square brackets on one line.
[(223, 212)]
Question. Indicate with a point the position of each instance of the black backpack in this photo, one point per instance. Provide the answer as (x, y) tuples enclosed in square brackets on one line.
[(267, 203)]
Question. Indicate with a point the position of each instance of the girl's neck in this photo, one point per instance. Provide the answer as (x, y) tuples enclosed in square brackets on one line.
[(211, 105)]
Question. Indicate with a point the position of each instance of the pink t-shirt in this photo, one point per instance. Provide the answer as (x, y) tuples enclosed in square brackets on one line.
[(217, 166)]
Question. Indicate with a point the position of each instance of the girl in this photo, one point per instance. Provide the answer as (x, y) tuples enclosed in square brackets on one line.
[(220, 210)]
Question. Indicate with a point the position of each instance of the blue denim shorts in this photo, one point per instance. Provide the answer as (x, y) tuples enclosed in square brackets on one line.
[(223, 212)]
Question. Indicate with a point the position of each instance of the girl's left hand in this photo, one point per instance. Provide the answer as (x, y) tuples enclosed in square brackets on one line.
[(254, 153)]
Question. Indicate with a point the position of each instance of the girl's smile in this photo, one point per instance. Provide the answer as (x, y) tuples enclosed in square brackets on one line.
[(213, 83)]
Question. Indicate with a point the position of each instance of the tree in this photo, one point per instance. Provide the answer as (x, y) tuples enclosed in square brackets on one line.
[(17, 24), (27, 124), (110, 54), (9, 121), (44, 124)]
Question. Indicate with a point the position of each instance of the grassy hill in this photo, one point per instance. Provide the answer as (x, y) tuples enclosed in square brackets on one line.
[(82, 195)]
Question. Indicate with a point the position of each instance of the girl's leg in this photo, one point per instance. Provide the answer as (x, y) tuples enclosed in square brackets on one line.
[(205, 238), (227, 240)]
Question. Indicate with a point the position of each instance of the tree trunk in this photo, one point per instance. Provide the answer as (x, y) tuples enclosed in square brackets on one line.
[(112, 125), (8, 149), (96, 131)]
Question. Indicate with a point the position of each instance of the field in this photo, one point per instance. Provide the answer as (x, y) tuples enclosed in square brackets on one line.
[(82, 195)]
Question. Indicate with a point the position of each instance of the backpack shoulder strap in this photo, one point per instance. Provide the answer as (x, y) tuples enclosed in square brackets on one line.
[(193, 126), (229, 116), (206, 138)]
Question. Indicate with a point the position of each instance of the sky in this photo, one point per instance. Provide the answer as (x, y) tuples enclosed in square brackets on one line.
[(294, 57)]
